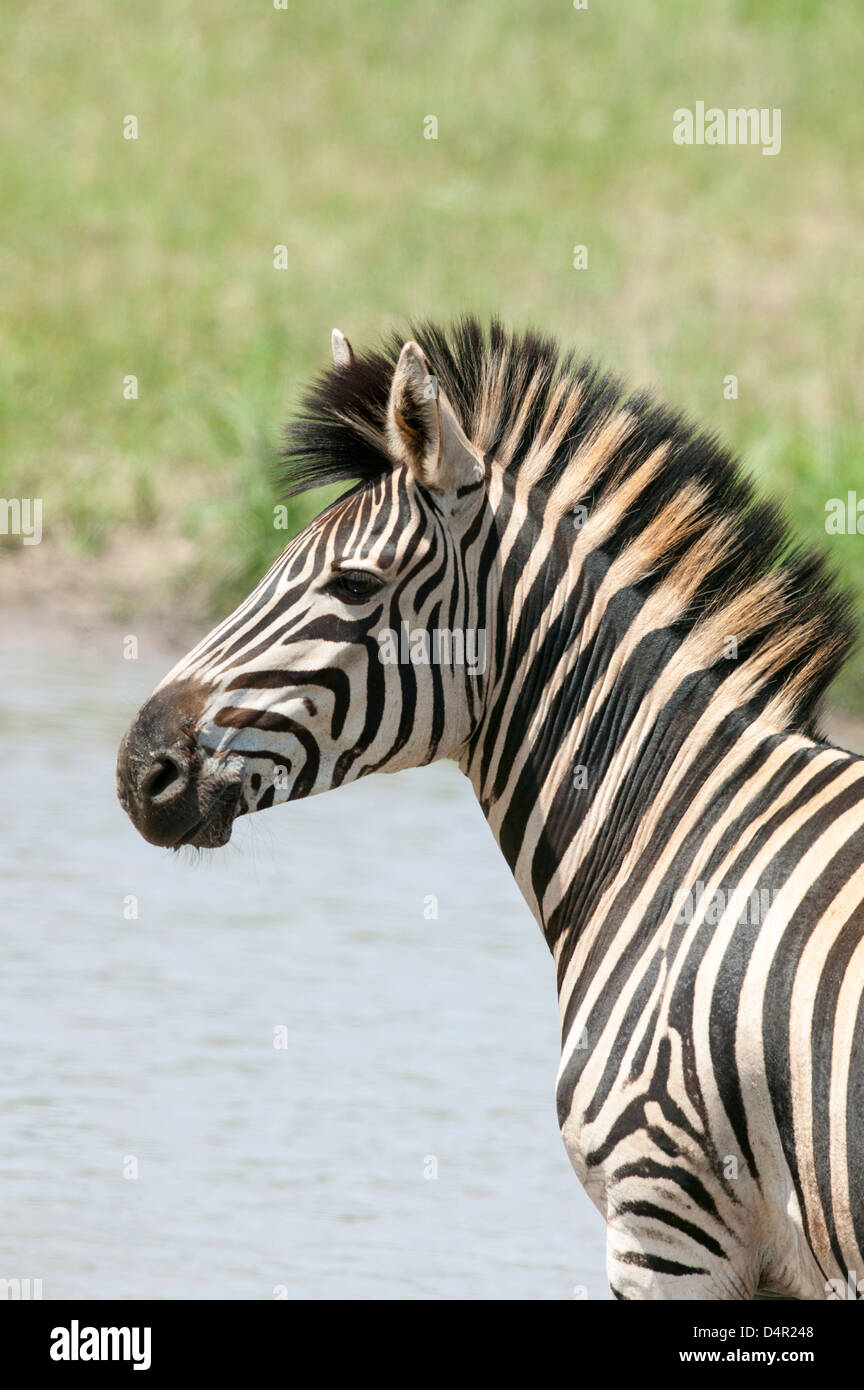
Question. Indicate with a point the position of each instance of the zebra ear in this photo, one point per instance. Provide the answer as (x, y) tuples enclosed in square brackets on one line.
[(422, 428), (343, 353)]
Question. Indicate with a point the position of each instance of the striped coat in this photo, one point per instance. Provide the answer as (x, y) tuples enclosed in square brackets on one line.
[(577, 598)]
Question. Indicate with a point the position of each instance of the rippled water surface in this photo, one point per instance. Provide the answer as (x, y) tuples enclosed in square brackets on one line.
[(410, 1043)]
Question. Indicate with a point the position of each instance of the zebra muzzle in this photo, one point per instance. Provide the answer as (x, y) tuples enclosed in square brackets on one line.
[(173, 794)]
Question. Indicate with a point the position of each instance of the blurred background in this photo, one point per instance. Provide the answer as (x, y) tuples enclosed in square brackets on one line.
[(305, 128)]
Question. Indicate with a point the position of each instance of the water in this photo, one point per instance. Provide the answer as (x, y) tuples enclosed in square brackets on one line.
[(409, 1042)]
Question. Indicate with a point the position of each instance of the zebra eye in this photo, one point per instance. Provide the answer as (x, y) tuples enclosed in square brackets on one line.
[(356, 583)]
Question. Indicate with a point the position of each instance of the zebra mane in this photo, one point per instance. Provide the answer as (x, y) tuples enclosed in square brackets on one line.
[(555, 416)]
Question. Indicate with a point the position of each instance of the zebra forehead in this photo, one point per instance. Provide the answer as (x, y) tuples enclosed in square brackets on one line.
[(368, 521)]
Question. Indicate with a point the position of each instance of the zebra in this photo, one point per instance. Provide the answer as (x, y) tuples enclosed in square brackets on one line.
[(643, 739)]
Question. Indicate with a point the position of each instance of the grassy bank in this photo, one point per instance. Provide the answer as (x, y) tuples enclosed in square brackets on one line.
[(304, 127)]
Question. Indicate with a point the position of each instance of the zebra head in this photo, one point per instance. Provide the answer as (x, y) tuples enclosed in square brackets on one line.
[(362, 650)]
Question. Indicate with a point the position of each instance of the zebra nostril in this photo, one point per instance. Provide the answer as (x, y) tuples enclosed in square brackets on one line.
[(164, 779)]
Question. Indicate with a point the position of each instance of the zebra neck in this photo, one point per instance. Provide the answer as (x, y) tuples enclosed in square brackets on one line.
[(591, 745)]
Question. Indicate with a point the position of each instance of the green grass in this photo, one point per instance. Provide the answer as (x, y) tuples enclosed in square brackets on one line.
[(304, 127)]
